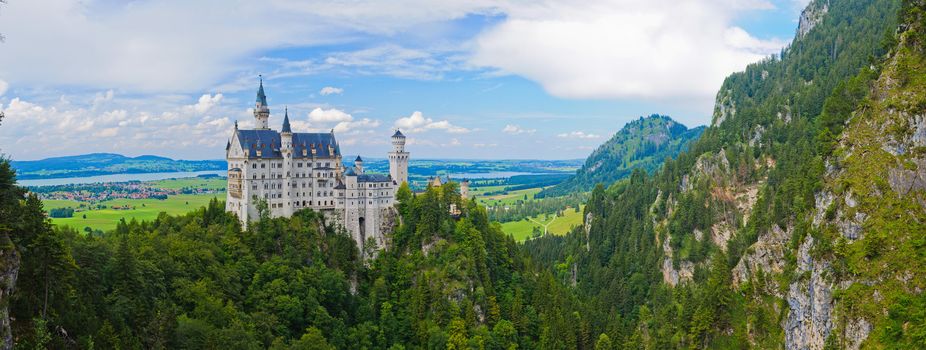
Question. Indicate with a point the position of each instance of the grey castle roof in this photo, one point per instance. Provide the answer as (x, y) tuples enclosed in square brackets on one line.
[(373, 178), (286, 127), (268, 143)]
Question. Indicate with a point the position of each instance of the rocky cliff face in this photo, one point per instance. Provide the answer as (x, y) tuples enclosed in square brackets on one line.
[(9, 270), (869, 214), (811, 16)]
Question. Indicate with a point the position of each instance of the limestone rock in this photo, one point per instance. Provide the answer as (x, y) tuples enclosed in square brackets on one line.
[(9, 270), (810, 303)]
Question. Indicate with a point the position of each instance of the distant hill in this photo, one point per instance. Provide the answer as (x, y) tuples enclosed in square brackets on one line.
[(107, 163), (643, 143)]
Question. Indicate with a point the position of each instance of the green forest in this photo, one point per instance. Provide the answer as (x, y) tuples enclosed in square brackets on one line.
[(808, 182)]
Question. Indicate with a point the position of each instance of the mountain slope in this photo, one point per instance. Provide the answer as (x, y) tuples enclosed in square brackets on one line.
[(727, 245), (107, 163), (870, 217), (643, 143)]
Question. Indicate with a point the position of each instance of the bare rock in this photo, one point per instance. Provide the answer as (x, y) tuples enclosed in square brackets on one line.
[(767, 255), (856, 332), (810, 303)]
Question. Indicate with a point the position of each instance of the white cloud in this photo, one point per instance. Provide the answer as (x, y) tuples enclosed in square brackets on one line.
[(206, 102), (454, 142), (102, 44), (108, 132), (624, 49), (418, 123), (333, 115), (516, 130), (330, 90), (578, 135), (35, 130), (321, 119), (3, 87)]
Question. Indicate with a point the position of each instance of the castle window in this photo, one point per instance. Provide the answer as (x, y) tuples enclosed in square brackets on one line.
[(263, 165)]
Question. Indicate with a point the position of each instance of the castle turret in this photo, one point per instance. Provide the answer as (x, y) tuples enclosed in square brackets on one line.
[(398, 159), (464, 189), (261, 109), (286, 150), (358, 165)]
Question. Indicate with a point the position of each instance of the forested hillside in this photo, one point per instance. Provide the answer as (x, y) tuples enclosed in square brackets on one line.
[(107, 163), (199, 281), (641, 144), (795, 221)]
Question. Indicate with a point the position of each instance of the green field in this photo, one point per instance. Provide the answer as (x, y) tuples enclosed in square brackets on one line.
[(142, 209), (506, 199), (523, 229)]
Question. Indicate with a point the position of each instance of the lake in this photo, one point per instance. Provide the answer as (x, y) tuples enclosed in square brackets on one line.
[(492, 175), (118, 178), (182, 174)]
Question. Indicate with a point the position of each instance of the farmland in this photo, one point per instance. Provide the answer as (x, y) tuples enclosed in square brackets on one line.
[(555, 225), (104, 215)]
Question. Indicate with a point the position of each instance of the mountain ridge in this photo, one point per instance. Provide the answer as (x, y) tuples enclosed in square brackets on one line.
[(642, 143), (93, 164)]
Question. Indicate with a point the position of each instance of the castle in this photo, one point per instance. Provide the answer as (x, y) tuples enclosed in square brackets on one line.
[(289, 171)]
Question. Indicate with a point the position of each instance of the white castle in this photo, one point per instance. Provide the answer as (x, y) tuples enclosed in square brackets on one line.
[(291, 171)]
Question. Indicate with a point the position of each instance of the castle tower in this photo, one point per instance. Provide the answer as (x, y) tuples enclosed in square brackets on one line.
[(464, 189), (261, 109), (286, 150), (358, 165), (398, 159)]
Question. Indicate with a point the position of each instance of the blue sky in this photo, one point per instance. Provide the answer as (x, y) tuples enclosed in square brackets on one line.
[(547, 79)]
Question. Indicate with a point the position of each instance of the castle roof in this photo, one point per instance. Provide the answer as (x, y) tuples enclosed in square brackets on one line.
[(350, 172), (358, 159), (398, 133), (286, 127), (373, 178), (261, 97), (268, 143)]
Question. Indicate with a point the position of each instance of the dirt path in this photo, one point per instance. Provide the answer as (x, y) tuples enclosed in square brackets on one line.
[(541, 224)]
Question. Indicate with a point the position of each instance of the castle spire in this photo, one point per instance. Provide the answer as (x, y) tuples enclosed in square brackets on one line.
[(286, 127), (261, 97), (261, 110)]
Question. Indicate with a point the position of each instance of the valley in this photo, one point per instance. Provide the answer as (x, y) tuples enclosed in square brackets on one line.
[(795, 219)]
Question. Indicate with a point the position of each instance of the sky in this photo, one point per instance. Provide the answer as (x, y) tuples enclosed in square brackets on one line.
[(475, 79)]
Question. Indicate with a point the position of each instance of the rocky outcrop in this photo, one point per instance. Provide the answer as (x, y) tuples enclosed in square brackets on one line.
[(9, 270), (811, 16), (725, 107), (903, 180), (671, 275), (810, 300), (588, 228), (766, 255), (856, 332)]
